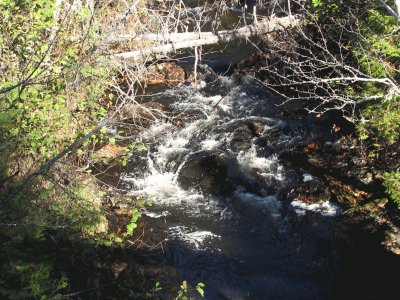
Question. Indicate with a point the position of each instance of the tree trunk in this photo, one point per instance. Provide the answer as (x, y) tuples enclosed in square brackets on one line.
[(174, 41)]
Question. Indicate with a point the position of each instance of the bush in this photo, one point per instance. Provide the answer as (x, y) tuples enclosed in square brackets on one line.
[(51, 88), (392, 184)]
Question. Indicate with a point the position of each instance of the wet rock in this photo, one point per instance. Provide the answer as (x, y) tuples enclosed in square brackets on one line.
[(255, 124), (313, 191), (118, 267), (122, 211), (392, 239), (169, 72), (366, 177), (211, 171), (174, 73), (242, 136), (138, 163), (252, 62), (346, 194), (375, 218), (215, 83), (148, 110), (175, 159), (376, 205), (278, 140), (110, 151), (206, 73)]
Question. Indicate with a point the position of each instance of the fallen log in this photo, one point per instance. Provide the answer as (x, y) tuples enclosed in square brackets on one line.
[(163, 44)]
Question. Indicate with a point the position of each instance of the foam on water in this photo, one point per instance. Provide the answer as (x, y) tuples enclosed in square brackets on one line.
[(326, 208), (193, 238), (208, 101), (249, 226), (156, 215), (157, 130), (170, 146), (170, 140), (198, 102), (307, 177), (210, 144), (225, 80), (268, 166), (162, 189)]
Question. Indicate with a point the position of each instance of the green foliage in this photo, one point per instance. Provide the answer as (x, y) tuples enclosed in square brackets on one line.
[(41, 238), (200, 288), (37, 279), (183, 293), (133, 222), (121, 238), (57, 83), (380, 59), (392, 184), (51, 87), (157, 287), (140, 147), (320, 7), (370, 41), (381, 33), (381, 123), (366, 29), (23, 32), (316, 3)]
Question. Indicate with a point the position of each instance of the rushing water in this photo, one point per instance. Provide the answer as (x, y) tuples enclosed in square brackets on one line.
[(214, 173)]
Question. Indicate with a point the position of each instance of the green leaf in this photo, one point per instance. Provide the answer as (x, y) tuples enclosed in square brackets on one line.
[(158, 287), (130, 228), (56, 70), (118, 240), (132, 224), (142, 147), (199, 288), (184, 285)]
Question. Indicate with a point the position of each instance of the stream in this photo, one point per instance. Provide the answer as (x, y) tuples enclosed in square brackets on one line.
[(220, 190)]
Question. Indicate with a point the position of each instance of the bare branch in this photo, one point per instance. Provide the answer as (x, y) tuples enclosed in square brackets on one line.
[(390, 10)]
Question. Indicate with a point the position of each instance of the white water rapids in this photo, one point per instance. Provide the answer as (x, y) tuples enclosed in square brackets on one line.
[(211, 129)]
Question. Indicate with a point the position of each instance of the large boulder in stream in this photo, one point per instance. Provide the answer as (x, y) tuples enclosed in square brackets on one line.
[(214, 172), (243, 135)]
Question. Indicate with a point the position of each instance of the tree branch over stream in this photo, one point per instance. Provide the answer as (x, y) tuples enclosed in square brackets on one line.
[(163, 44)]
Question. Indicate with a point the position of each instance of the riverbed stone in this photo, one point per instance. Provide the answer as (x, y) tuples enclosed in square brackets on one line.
[(110, 151), (141, 112), (241, 138), (346, 194), (243, 135), (313, 191), (215, 172), (168, 72), (392, 239)]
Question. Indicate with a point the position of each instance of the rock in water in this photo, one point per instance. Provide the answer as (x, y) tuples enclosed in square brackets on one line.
[(214, 172)]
